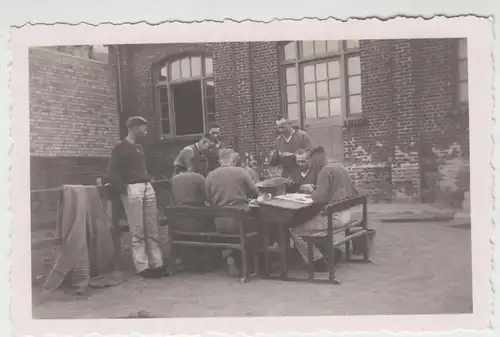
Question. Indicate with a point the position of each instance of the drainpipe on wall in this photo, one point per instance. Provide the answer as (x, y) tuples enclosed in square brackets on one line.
[(119, 88), (254, 112)]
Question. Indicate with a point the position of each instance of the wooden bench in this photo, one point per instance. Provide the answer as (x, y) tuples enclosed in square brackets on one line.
[(354, 229), (245, 242)]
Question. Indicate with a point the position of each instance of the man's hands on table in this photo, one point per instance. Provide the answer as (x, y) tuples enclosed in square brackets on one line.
[(307, 188)]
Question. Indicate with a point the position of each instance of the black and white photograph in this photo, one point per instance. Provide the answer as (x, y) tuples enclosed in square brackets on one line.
[(229, 178)]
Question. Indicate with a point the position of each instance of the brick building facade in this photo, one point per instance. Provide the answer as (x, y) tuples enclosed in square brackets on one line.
[(74, 121), (394, 111)]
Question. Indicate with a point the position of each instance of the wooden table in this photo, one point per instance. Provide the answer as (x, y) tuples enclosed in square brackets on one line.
[(280, 213)]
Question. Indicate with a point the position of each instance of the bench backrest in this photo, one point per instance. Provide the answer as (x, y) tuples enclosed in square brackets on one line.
[(211, 213), (345, 205)]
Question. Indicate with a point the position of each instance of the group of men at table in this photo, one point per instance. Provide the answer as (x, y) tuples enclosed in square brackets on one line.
[(208, 174)]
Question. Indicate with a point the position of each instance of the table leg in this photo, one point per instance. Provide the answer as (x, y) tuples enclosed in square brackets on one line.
[(284, 250)]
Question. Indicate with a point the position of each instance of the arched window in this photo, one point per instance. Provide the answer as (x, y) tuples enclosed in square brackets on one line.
[(185, 95), (322, 79)]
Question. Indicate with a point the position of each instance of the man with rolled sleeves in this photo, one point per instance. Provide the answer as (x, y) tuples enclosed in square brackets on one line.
[(128, 177)]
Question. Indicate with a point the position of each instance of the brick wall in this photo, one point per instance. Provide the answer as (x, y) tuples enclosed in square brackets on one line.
[(409, 136), (73, 106), (413, 143)]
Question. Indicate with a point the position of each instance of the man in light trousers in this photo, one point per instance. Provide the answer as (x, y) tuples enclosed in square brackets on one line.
[(129, 178)]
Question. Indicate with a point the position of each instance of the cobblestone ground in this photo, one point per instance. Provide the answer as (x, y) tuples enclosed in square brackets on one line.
[(419, 268)]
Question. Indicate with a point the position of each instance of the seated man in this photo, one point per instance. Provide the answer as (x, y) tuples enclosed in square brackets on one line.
[(304, 175), (334, 184), (188, 189), (193, 158), (230, 186)]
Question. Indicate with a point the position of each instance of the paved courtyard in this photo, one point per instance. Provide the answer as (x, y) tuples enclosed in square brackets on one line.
[(419, 268)]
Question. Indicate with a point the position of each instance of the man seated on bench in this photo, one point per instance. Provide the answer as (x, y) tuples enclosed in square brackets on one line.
[(334, 184), (230, 186), (188, 189)]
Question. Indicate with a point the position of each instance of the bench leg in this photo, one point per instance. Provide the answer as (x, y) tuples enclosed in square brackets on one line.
[(348, 246), (284, 251), (266, 241), (256, 252), (171, 259), (331, 262), (310, 257), (244, 262)]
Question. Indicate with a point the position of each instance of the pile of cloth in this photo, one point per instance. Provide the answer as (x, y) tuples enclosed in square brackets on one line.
[(86, 255)]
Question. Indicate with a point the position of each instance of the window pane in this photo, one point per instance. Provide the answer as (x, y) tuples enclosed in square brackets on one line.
[(352, 44), (462, 48), (333, 46), (176, 70), (291, 75), (462, 70), (307, 48), (310, 92), (335, 107), (309, 74), (321, 73), (164, 111), (185, 68), (162, 75), (355, 104), (291, 93), (290, 51), (354, 65), (165, 126), (210, 108), (293, 111), (196, 66), (163, 94), (319, 47), (334, 88), (188, 108), (208, 66), (334, 69), (322, 89), (464, 92), (209, 88), (323, 108), (311, 110), (355, 85)]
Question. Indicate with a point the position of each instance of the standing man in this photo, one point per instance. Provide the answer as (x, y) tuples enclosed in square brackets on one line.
[(213, 154), (128, 177), (289, 141), (193, 158)]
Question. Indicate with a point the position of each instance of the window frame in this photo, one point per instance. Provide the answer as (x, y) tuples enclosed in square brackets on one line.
[(168, 83), (462, 106), (300, 62)]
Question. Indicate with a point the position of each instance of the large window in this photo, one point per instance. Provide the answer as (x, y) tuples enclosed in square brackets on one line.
[(185, 95), (463, 85), (321, 79)]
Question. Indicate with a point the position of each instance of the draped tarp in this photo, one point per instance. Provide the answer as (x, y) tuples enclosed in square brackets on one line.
[(86, 255)]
